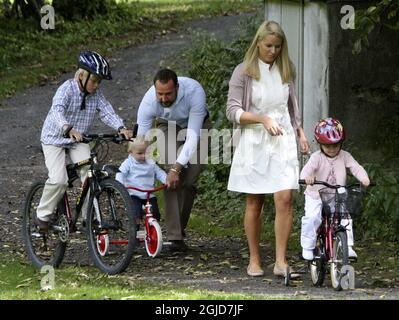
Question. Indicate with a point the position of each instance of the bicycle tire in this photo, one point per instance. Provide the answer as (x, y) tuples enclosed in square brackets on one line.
[(339, 259), (118, 227), (153, 241), (41, 248), (318, 265)]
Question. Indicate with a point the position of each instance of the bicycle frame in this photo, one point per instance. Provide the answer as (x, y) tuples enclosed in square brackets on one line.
[(328, 228), (90, 183)]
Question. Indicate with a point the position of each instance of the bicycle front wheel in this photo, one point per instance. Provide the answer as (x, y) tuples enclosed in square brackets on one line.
[(43, 248), (318, 265), (111, 228), (339, 259), (153, 240)]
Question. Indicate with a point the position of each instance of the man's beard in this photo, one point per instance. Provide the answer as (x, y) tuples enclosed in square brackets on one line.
[(166, 104)]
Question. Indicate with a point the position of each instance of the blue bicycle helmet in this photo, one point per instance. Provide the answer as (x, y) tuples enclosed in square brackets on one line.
[(94, 63)]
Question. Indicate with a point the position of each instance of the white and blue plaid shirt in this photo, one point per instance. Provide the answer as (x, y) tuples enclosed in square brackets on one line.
[(66, 110)]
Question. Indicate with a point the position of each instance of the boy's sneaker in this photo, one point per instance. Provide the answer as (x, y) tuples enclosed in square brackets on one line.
[(352, 253), (41, 224), (307, 254)]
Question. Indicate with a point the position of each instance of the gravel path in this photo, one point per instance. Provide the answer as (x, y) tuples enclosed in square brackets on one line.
[(213, 264)]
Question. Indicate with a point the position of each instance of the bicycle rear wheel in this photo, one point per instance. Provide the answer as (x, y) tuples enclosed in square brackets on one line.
[(111, 242), (318, 265), (43, 248), (153, 240), (339, 259)]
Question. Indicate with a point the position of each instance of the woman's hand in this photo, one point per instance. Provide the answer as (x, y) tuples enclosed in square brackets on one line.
[(303, 142), (272, 127)]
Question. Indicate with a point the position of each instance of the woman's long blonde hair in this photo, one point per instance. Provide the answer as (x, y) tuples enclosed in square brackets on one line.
[(283, 61)]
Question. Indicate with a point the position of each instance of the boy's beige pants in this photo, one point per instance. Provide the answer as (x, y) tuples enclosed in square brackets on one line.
[(56, 183)]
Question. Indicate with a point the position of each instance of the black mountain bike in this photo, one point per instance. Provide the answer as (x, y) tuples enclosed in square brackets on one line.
[(110, 226)]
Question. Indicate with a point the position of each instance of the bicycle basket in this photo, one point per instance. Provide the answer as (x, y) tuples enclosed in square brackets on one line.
[(352, 201), (347, 203), (327, 196)]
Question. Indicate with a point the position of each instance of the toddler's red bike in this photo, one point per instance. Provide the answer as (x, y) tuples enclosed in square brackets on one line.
[(152, 233)]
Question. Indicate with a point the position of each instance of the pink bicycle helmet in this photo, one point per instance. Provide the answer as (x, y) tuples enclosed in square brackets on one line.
[(329, 131)]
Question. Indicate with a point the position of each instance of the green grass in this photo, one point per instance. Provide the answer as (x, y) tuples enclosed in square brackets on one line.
[(29, 56), (19, 280)]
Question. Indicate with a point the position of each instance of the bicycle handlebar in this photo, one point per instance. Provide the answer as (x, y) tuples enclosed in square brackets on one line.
[(114, 137), (147, 191), (302, 181)]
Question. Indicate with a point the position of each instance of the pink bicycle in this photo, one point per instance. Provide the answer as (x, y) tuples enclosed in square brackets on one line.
[(152, 235)]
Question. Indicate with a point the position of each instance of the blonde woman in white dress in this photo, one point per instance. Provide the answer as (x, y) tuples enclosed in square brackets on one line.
[(262, 102)]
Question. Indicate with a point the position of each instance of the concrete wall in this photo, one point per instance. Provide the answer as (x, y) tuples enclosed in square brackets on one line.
[(315, 67), (306, 26)]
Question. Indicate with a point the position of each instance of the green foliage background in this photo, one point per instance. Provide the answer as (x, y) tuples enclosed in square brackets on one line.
[(212, 63)]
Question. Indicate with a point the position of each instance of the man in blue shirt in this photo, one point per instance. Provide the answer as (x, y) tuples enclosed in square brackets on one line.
[(178, 104)]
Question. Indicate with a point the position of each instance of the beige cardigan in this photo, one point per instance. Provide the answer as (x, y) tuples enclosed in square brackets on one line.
[(240, 96)]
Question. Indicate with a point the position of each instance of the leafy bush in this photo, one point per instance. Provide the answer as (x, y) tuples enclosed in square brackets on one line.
[(212, 62), (78, 9), (380, 218)]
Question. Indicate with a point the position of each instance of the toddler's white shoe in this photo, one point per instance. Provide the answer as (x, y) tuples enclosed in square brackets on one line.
[(307, 254), (352, 253)]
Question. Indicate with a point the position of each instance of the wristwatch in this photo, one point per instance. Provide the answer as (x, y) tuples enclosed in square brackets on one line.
[(175, 170)]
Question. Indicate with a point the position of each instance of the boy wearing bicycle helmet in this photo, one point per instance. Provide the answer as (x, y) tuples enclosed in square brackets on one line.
[(71, 115), (141, 172), (329, 164)]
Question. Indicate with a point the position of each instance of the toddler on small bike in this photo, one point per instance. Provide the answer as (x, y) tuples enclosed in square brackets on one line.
[(138, 174), (329, 164)]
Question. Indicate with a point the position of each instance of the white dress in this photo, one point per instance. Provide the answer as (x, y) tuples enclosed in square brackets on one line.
[(263, 163)]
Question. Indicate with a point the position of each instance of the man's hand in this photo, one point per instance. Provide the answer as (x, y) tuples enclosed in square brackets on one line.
[(172, 179)]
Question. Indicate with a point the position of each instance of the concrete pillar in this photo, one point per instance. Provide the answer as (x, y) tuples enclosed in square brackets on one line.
[(305, 24)]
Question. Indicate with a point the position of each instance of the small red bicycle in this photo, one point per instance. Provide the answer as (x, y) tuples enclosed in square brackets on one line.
[(338, 202), (152, 235)]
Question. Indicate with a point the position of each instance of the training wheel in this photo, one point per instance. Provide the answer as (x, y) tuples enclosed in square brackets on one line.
[(102, 244)]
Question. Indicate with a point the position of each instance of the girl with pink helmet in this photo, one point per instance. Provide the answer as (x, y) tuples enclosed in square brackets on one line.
[(328, 164)]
